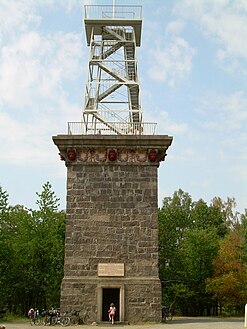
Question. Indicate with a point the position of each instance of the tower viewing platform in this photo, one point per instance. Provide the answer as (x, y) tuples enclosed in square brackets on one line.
[(98, 16)]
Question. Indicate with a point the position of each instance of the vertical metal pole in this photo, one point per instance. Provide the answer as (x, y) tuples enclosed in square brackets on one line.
[(114, 3), (245, 317)]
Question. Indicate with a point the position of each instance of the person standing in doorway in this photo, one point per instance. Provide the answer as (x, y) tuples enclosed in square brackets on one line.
[(112, 312)]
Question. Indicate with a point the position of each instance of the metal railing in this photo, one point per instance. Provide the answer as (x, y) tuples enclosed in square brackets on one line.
[(112, 128), (112, 12)]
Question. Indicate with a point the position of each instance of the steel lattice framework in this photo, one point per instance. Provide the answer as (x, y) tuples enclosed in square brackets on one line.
[(112, 96)]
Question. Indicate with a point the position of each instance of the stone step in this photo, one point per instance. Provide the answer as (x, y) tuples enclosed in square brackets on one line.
[(109, 324)]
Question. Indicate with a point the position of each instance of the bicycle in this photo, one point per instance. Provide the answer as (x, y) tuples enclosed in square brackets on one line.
[(35, 320), (54, 317), (75, 317), (167, 313), (34, 317), (64, 320)]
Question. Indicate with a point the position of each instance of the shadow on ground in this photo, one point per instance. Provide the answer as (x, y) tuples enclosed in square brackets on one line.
[(183, 320)]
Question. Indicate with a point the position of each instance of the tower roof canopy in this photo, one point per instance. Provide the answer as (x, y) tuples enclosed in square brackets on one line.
[(98, 16)]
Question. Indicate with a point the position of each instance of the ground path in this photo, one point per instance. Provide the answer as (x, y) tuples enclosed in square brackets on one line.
[(177, 323)]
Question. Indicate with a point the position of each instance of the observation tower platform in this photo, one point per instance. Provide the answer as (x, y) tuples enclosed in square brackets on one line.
[(96, 17)]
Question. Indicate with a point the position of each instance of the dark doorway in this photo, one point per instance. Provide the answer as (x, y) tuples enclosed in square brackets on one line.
[(110, 295)]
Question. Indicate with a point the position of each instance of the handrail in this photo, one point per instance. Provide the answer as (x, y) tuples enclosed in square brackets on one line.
[(113, 12), (126, 128)]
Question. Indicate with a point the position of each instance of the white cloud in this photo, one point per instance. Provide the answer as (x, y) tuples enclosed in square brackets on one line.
[(224, 23), (32, 137), (174, 27), (227, 113), (35, 69), (19, 15), (222, 125), (16, 16), (165, 123), (171, 63), (71, 4)]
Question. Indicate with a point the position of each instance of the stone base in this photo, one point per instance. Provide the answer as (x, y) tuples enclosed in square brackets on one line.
[(136, 299), (111, 242)]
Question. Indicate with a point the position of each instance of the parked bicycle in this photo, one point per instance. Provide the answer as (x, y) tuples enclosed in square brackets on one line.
[(53, 317), (75, 317), (35, 320), (34, 317), (167, 313)]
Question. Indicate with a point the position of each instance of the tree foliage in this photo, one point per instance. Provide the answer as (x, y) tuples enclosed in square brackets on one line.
[(31, 253), (229, 277), (196, 240)]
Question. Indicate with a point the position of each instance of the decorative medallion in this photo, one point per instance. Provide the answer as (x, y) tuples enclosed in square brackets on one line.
[(122, 155)]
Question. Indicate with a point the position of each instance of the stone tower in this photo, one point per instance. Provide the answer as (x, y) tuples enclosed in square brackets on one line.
[(111, 245)]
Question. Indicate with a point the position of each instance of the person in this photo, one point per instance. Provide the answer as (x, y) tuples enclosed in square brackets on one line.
[(31, 313), (112, 312)]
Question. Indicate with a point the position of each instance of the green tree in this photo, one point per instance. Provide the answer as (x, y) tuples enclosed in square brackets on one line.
[(4, 201), (48, 243), (231, 217), (5, 252), (31, 253), (19, 272), (199, 249), (188, 242), (206, 217), (243, 230), (174, 221), (230, 274)]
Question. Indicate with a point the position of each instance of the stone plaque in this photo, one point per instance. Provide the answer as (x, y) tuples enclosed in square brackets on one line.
[(113, 269)]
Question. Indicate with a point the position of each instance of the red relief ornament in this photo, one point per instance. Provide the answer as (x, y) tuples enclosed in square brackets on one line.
[(112, 155), (71, 154), (152, 155)]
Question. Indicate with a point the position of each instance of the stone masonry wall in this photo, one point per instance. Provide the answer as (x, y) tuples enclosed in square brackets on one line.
[(112, 219)]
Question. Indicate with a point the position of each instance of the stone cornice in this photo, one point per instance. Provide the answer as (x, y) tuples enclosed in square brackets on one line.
[(124, 149)]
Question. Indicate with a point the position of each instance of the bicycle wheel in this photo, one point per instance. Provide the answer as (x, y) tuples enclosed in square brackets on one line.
[(37, 321), (169, 316), (53, 320), (47, 320), (65, 321), (32, 321), (42, 320)]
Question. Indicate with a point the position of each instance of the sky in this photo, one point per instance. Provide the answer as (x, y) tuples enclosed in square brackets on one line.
[(193, 73)]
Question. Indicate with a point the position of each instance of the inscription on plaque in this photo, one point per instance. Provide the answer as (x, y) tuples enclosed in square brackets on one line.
[(115, 269)]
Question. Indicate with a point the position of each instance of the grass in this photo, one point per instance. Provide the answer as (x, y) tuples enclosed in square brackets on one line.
[(13, 318)]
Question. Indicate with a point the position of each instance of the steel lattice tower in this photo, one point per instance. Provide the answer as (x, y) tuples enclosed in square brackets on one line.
[(112, 96)]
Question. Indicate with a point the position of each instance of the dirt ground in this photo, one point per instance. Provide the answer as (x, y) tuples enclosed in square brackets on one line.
[(177, 323)]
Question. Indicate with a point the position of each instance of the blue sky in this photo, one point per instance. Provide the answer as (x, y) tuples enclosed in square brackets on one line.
[(192, 67)]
